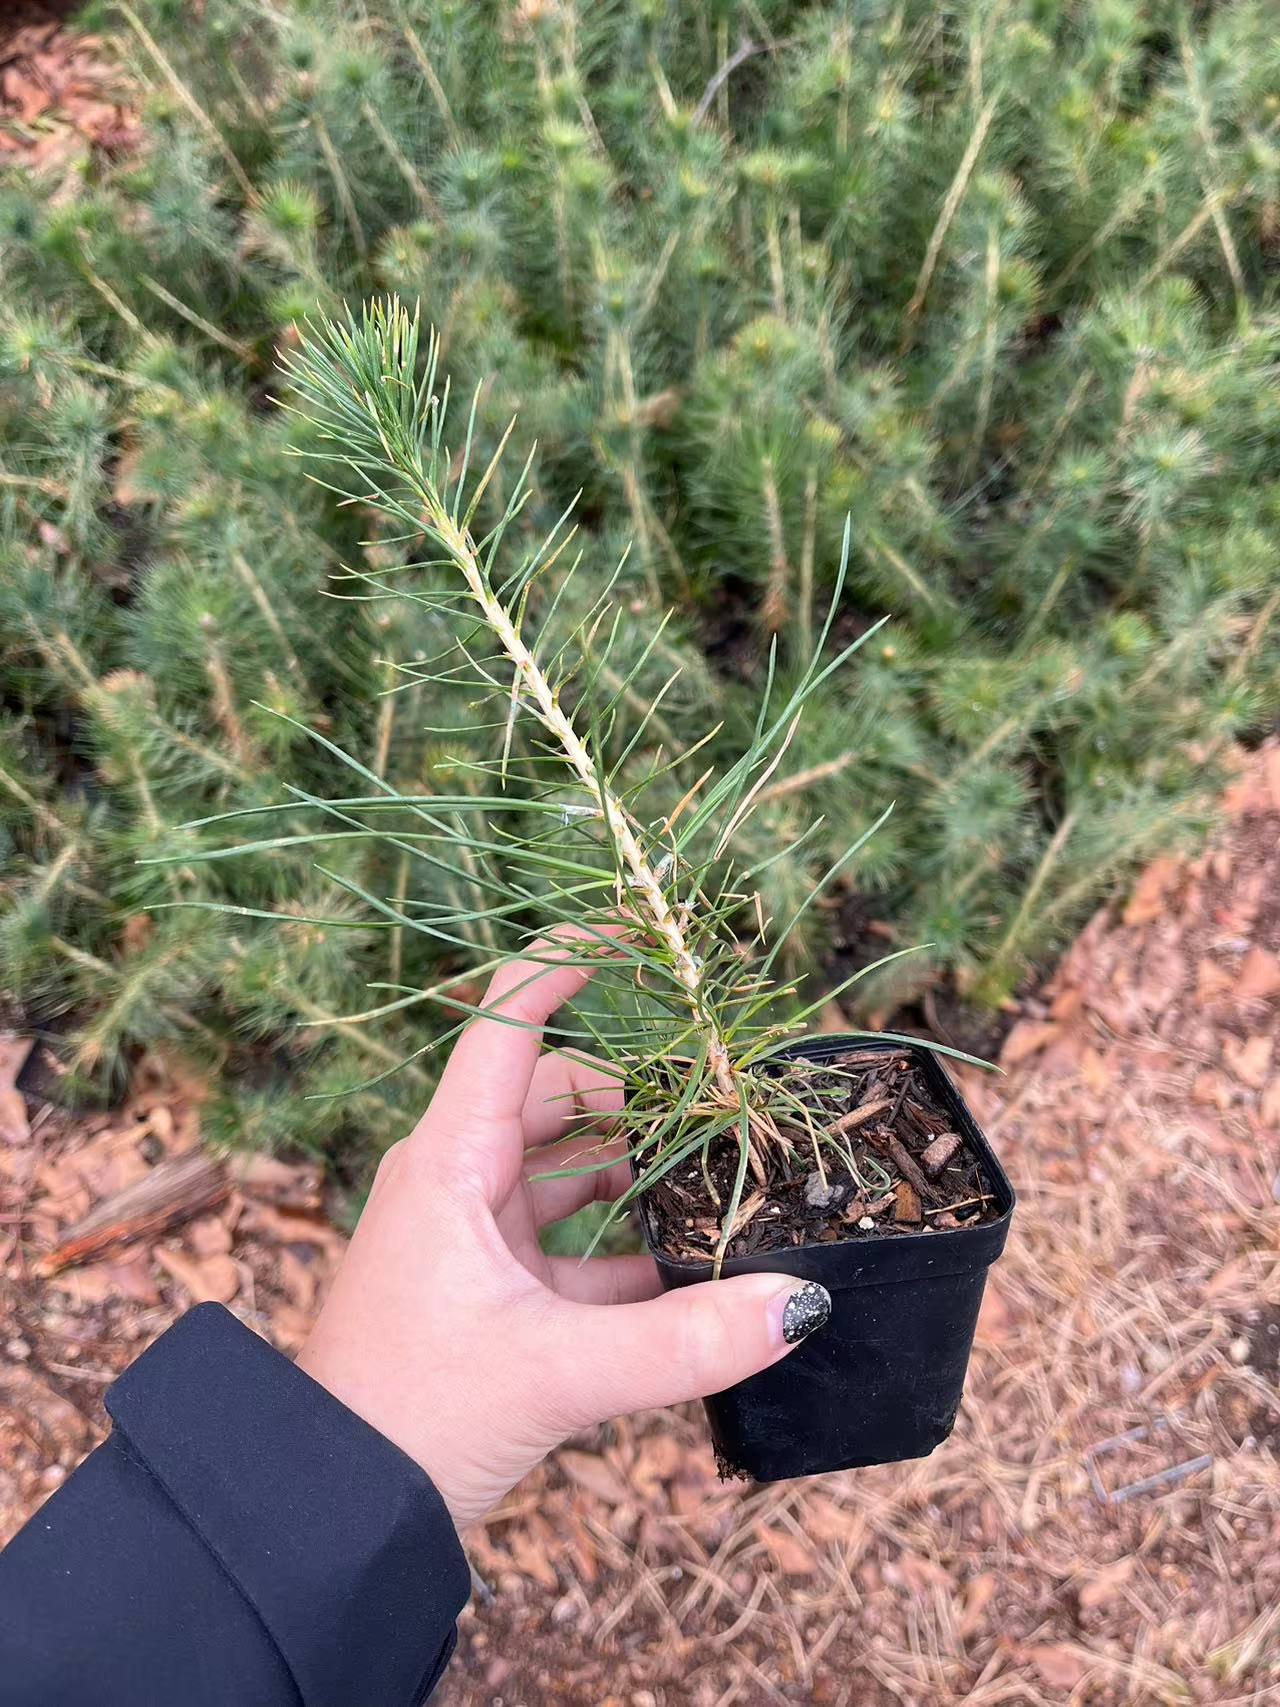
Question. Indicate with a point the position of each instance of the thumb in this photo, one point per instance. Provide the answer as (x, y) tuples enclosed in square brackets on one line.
[(696, 1340)]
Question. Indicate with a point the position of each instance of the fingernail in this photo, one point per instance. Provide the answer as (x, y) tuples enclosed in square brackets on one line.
[(804, 1310)]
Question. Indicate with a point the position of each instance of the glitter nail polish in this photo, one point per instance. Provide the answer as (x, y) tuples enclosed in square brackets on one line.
[(806, 1310)]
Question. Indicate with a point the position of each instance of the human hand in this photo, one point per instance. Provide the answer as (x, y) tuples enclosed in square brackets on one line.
[(447, 1327)]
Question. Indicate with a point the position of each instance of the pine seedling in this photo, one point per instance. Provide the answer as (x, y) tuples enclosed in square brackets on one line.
[(559, 839)]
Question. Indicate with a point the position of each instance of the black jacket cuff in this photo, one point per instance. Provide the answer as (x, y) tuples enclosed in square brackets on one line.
[(335, 1537)]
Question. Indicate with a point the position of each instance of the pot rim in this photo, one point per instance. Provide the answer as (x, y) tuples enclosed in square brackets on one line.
[(956, 1239)]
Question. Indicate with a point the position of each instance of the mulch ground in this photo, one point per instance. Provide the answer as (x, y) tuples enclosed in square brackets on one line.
[(61, 97), (1032, 1559)]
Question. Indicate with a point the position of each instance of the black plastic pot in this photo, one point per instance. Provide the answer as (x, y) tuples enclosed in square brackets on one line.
[(883, 1379)]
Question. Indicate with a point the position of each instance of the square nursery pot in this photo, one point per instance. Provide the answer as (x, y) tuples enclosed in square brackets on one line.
[(883, 1379)]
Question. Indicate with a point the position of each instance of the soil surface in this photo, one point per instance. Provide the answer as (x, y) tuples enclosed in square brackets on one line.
[(1100, 1529), (869, 1149)]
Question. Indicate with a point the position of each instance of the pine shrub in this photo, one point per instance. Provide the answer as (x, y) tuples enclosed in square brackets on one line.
[(994, 280)]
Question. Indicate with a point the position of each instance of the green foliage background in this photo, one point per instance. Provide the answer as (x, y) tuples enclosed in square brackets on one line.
[(995, 278)]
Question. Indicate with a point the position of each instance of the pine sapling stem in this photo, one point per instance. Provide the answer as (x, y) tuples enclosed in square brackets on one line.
[(538, 692)]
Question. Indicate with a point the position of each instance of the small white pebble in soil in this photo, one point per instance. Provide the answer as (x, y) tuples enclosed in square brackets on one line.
[(866, 1224)]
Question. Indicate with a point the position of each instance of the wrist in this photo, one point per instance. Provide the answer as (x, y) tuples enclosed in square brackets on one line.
[(378, 1397)]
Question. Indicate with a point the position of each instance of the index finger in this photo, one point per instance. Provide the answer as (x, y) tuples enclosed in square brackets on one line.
[(489, 1075)]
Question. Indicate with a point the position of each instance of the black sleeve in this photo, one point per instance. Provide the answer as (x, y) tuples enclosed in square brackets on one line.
[(240, 1540)]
